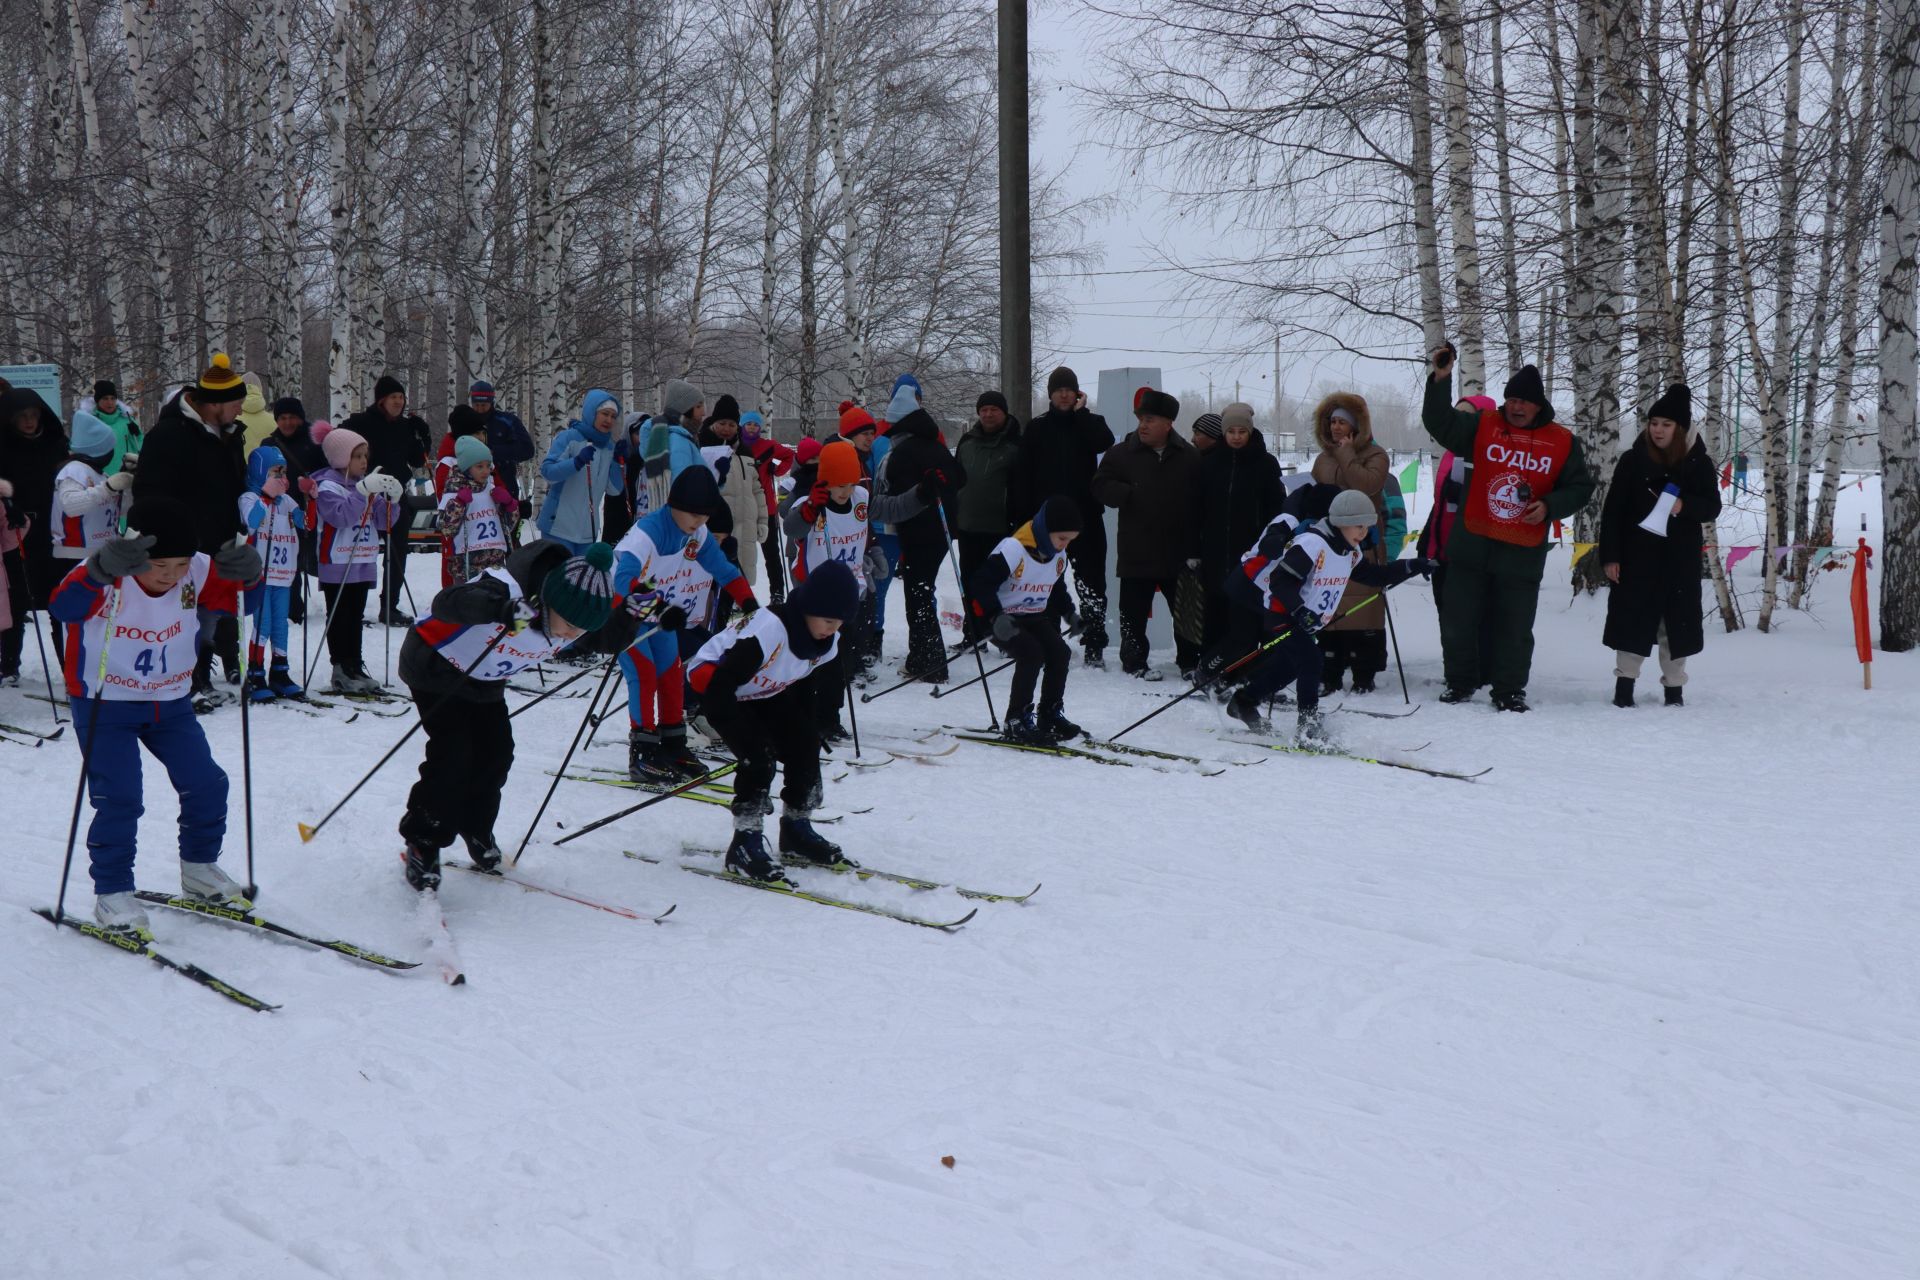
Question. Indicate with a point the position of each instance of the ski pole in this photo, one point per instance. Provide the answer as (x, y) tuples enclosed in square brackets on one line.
[(1233, 667), (892, 688), (597, 710), (386, 607), (38, 636), (980, 663), (544, 694), (846, 697), (969, 683), (86, 750), (307, 833), (340, 592), (1404, 695), (246, 733), (648, 803), (612, 665)]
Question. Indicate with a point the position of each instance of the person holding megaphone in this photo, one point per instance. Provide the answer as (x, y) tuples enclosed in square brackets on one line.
[(1665, 489)]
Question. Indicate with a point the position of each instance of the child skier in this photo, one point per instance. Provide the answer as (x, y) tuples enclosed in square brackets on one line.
[(476, 514), (133, 604), (355, 506), (87, 503), (1021, 592), (754, 683), (832, 520), (1295, 578), (273, 521), (457, 660), (672, 552)]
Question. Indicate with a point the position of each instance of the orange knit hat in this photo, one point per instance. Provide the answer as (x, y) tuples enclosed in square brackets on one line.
[(839, 464)]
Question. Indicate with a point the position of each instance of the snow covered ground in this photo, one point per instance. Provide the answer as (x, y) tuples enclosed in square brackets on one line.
[(1642, 1002)]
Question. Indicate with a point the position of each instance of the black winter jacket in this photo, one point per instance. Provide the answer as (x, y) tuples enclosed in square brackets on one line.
[(1239, 493), (918, 455), (394, 445), (30, 464), (182, 458), (1058, 454), (1659, 577)]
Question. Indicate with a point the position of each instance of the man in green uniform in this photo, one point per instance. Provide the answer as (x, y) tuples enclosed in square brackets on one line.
[(1527, 470)]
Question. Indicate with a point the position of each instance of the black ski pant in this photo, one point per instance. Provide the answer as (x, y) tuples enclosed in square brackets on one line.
[(926, 647), (1037, 644), (776, 568), (830, 680), (1136, 607), (469, 754), (1087, 556), (1296, 657), (1362, 652), (346, 606), (1240, 634), (1494, 610), (766, 732)]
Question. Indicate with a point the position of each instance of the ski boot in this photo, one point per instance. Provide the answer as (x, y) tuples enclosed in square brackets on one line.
[(207, 882), (1622, 692), (833, 732), (351, 681), (1674, 697), (798, 838), (1247, 712), (1054, 725), (485, 852), (1019, 727), (643, 747), (257, 689), (9, 679), (748, 856), (122, 913), (423, 867), (280, 680), (1510, 702), (676, 757), (1310, 730)]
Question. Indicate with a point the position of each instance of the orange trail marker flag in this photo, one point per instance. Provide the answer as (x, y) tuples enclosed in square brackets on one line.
[(1862, 633)]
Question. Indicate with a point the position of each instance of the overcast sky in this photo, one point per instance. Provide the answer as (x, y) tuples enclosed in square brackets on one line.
[(1130, 311)]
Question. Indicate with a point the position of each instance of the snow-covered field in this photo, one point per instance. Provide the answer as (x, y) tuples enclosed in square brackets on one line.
[(1640, 1003)]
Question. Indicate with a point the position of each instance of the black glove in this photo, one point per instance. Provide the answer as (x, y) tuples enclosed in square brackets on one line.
[(1307, 622), (671, 618), (516, 615), (16, 518), (1003, 628), (1075, 621), (239, 564), (928, 492), (118, 557), (719, 699), (749, 607), (526, 508)]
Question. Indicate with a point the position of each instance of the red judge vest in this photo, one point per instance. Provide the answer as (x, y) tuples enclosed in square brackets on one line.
[(1512, 469)]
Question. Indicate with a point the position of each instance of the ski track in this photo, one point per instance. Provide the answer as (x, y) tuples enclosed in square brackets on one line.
[(1639, 1003)]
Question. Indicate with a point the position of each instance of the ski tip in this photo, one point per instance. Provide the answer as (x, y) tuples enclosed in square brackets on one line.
[(661, 918), (307, 833), (951, 925), (457, 980)]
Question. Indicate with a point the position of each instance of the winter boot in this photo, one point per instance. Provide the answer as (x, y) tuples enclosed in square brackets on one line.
[(749, 856), (1019, 727), (122, 913), (833, 731), (1094, 660), (280, 680), (675, 756), (1674, 696), (1454, 694), (1310, 730), (257, 689), (485, 852), (1152, 675), (423, 867), (1055, 727), (1330, 681), (1241, 708), (352, 681), (798, 838), (1622, 692), (1362, 682), (1510, 702), (207, 882), (643, 746)]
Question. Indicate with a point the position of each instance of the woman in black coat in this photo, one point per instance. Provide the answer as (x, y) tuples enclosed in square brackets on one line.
[(1656, 599), (1239, 492), (33, 448)]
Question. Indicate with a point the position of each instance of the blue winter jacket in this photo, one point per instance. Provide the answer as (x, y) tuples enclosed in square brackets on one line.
[(575, 494), (666, 535)]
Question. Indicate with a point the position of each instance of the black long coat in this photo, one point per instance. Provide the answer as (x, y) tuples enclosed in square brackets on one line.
[(1239, 494), (1659, 577)]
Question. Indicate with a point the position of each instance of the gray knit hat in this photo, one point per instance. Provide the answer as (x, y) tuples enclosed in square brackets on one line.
[(1350, 506), (1208, 424), (1237, 414), (679, 397)]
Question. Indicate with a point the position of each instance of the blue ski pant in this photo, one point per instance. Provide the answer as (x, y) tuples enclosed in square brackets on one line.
[(1296, 657), (267, 609), (172, 733), (656, 678)]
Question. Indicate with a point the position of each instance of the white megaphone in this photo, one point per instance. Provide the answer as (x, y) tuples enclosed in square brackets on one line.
[(1656, 521)]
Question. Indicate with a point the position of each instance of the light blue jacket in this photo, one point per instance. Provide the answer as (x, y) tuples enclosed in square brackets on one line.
[(575, 494)]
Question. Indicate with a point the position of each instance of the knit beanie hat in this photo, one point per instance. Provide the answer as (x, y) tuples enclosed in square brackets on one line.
[(168, 522), (695, 492), (1237, 414), (1209, 424), (471, 451), (104, 388), (907, 380), (339, 446), (1062, 377), (993, 399), (480, 390), (90, 437), (725, 409), (260, 462), (828, 591), (1526, 385), (1340, 413), (808, 450), (1350, 506), (906, 399), (581, 590), (854, 420), (678, 397), (1061, 514), (1485, 404), (839, 464), (751, 422), (219, 384), (1676, 404), (1157, 403), (318, 430), (290, 404), (388, 385)]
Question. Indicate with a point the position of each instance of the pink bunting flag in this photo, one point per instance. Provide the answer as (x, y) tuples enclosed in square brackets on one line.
[(1737, 554)]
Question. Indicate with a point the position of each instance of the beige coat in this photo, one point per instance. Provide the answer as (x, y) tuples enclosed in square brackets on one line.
[(1359, 464), (748, 503)]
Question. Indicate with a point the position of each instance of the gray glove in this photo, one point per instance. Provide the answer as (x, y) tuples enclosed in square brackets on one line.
[(239, 564), (118, 557), (1003, 628)]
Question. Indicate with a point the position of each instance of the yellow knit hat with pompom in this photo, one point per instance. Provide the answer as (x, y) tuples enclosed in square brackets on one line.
[(219, 383)]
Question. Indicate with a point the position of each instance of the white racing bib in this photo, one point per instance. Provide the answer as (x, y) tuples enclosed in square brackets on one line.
[(842, 536), (779, 668), (483, 529), (678, 573), (357, 543), (150, 658), (1029, 584), (276, 540), (510, 653)]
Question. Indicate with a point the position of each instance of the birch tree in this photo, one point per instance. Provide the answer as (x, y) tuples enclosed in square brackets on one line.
[(1899, 359)]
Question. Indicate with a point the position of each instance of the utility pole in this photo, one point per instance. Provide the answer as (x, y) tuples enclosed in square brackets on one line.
[(1016, 229)]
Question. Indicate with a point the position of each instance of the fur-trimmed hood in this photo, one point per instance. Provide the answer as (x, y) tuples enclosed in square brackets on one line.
[(1353, 404)]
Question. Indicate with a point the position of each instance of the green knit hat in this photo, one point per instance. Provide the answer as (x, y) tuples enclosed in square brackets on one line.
[(581, 590)]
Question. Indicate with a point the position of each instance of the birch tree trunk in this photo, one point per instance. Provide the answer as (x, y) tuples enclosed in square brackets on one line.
[(1899, 276), (284, 338), (136, 23), (1509, 223), (111, 277), (1716, 417), (850, 251), (810, 246), (1469, 311), (546, 216), (1636, 68), (709, 211), (1773, 439), (1426, 238), (57, 110), (466, 330), (343, 112), (770, 226), (369, 208), (211, 318)]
